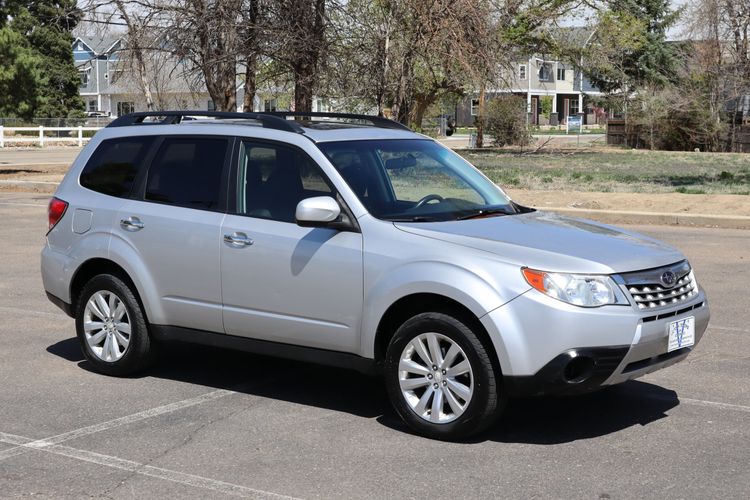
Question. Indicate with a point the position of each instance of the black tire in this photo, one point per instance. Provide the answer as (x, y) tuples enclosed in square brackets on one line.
[(140, 350), (486, 402)]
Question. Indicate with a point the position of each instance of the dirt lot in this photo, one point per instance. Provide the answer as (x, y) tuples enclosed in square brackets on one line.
[(674, 203), (605, 169)]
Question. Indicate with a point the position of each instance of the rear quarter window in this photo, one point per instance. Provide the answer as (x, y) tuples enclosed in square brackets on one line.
[(115, 164)]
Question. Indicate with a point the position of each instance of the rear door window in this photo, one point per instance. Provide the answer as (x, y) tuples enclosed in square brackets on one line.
[(115, 164), (188, 172)]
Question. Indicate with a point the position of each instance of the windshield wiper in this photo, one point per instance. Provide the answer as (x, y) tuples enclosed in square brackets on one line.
[(485, 212), (416, 218)]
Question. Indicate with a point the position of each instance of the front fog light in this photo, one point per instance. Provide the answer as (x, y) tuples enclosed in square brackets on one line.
[(577, 289)]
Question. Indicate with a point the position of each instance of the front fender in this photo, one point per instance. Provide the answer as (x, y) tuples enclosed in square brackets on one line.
[(479, 291)]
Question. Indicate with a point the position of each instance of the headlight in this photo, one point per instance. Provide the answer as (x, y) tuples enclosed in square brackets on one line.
[(577, 289)]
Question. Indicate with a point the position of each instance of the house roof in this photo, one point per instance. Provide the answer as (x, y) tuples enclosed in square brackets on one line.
[(98, 45)]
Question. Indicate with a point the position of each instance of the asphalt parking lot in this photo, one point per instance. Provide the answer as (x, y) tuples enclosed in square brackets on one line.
[(209, 423)]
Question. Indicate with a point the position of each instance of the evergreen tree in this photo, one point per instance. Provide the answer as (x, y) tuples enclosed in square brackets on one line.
[(652, 61), (43, 34), (19, 76)]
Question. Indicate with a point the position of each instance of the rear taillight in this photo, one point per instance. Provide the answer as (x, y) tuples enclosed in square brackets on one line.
[(55, 211)]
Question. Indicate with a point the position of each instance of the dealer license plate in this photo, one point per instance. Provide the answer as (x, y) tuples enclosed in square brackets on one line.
[(681, 333)]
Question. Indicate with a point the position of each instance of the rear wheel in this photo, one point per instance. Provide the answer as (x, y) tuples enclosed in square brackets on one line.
[(440, 378), (111, 327)]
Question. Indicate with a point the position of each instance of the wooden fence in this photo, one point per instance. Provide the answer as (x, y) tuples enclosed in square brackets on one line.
[(45, 135)]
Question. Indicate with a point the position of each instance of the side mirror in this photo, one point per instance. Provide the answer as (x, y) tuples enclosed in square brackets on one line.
[(319, 211)]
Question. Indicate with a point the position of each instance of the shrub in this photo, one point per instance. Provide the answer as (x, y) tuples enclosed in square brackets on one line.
[(506, 121)]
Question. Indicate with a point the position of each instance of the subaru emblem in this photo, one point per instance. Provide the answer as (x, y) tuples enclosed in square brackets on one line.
[(668, 279)]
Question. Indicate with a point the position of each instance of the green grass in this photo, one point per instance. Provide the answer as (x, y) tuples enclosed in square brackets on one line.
[(617, 170)]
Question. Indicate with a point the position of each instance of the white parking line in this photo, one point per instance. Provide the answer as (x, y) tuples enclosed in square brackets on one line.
[(33, 312), (139, 468), (701, 402), (714, 404), (135, 417), (729, 329), (91, 429)]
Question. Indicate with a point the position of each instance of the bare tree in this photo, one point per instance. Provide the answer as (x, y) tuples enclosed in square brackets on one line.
[(719, 67), (206, 32), (296, 39)]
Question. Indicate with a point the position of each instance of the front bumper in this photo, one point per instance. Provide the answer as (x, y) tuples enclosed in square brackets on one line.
[(548, 347)]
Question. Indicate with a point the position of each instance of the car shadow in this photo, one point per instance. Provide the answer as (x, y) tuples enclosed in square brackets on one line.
[(543, 421), (273, 378)]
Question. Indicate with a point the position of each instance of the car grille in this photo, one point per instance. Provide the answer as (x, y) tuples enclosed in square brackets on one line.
[(650, 291)]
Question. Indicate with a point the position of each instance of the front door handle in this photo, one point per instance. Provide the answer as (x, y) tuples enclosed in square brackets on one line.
[(238, 239), (131, 224)]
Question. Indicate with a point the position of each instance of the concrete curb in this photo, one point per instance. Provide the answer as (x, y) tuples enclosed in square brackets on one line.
[(605, 216), (655, 218), (29, 186)]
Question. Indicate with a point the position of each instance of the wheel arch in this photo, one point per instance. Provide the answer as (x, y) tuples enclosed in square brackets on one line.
[(94, 267), (410, 305)]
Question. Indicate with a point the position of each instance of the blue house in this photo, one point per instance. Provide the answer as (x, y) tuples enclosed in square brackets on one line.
[(96, 59)]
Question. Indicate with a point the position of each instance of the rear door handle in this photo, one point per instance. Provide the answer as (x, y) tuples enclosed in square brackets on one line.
[(238, 239), (131, 224)]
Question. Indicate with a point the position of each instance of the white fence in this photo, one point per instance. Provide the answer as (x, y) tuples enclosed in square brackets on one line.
[(9, 135)]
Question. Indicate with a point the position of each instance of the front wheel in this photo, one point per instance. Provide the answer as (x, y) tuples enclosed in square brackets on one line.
[(440, 378), (111, 327)]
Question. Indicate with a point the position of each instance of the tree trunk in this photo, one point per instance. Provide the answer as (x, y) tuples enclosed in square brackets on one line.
[(137, 52), (480, 118), (400, 110), (304, 75), (383, 83), (422, 102), (250, 83), (251, 58), (305, 67)]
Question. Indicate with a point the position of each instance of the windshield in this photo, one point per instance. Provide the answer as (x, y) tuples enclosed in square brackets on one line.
[(415, 180)]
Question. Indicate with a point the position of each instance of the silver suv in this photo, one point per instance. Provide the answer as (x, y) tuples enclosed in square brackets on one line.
[(350, 240)]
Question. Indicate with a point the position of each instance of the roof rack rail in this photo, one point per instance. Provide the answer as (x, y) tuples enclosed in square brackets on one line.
[(377, 121), (173, 117)]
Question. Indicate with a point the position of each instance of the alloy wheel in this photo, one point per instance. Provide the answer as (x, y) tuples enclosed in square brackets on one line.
[(435, 377), (106, 326)]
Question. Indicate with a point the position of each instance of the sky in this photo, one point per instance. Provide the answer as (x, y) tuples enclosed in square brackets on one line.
[(580, 18)]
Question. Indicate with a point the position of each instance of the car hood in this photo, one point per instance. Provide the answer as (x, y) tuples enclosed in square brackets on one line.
[(552, 242)]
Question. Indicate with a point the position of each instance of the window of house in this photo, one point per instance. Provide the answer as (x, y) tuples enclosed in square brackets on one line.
[(522, 72), (545, 72), (84, 74), (269, 105), (574, 107), (561, 73), (321, 105), (124, 108), (115, 164), (274, 179), (92, 105), (187, 172), (474, 107)]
